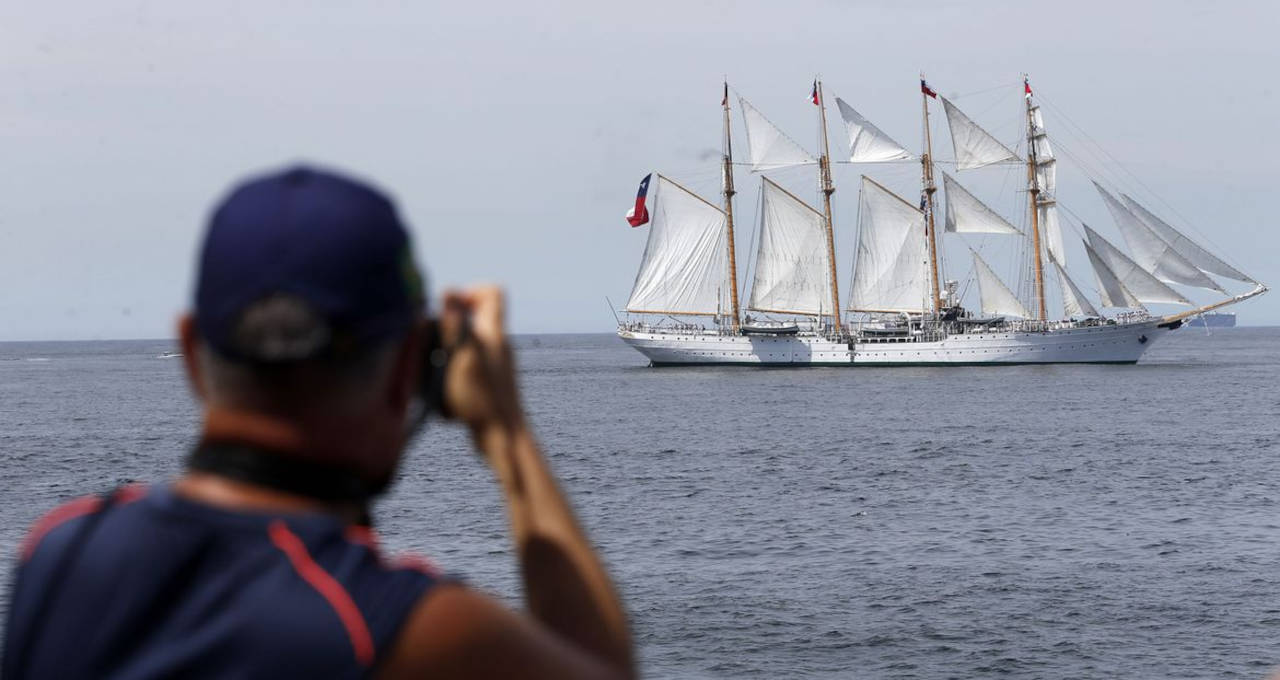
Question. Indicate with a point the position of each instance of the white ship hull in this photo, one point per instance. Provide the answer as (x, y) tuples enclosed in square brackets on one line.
[(1100, 344)]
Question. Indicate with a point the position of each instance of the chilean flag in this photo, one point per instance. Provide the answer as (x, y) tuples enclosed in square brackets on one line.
[(813, 96), (639, 214), (924, 87), (1026, 84)]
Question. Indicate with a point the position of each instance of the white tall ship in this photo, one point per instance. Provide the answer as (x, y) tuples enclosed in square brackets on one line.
[(684, 305)]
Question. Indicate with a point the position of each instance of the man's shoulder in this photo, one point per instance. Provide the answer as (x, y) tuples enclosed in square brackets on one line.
[(63, 518), (366, 538), (170, 554)]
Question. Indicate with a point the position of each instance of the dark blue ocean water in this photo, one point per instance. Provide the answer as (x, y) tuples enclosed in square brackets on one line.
[(1038, 522)]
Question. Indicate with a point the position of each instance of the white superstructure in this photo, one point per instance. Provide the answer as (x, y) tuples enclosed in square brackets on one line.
[(898, 312)]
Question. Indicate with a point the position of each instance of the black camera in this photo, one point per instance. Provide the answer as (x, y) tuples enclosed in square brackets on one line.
[(436, 355)]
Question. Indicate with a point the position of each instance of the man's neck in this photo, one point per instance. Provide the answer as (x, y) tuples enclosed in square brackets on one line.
[(223, 424), (274, 435)]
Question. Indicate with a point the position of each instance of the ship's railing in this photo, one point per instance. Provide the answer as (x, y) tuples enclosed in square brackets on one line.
[(932, 330), (1065, 324), (1136, 316), (691, 328), (685, 328), (913, 333), (808, 330)]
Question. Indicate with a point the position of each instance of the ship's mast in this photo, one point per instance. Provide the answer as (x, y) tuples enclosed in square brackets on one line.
[(926, 163), (824, 166), (1033, 190), (728, 209)]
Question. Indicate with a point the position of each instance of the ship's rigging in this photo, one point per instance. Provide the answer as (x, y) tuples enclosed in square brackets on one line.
[(690, 262)]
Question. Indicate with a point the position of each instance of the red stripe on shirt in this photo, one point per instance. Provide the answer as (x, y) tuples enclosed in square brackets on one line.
[(71, 510), (368, 538), (362, 535), (328, 588)]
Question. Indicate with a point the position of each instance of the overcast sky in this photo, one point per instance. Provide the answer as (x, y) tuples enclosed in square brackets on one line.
[(513, 134)]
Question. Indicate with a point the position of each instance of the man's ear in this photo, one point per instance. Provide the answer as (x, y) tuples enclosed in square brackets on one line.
[(190, 343)]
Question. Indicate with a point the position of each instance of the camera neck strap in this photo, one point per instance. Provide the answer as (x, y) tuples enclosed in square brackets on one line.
[(261, 467)]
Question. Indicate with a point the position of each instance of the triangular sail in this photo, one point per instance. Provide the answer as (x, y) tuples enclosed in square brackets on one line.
[(1074, 303), (791, 273), (997, 299), (974, 147), (1143, 286), (867, 144), (1047, 181), (890, 271), (682, 270), (1110, 290), (968, 215), (769, 147), (1151, 252), (1193, 252)]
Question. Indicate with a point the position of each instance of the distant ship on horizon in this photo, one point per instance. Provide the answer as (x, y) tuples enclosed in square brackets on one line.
[(684, 305)]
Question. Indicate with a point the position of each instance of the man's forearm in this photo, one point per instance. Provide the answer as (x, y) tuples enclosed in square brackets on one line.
[(566, 586)]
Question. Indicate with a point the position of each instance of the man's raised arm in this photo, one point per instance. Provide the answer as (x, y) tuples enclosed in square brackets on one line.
[(576, 625)]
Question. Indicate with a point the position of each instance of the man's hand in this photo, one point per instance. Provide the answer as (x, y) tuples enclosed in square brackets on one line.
[(480, 383)]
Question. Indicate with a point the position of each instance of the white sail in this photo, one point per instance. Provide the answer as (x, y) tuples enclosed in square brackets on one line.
[(1143, 286), (890, 272), (1047, 181), (1050, 230), (974, 147), (968, 215), (792, 274), (1193, 252), (867, 144), (769, 147), (1074, 303), (1046, 164), (1110, 290), (1151, 252), (997, 299), (682, 271)]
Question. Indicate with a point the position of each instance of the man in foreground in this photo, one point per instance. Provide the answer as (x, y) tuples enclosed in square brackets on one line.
[(310, 352)]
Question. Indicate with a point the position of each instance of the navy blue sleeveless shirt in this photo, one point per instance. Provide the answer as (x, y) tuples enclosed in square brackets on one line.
[(151, 585)]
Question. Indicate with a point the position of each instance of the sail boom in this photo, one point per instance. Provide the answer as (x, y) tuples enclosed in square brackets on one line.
[(1258, 289), (895, 310), (682, 269), (888, 191), (797, 312), (681, 187), (671, 312), (800, 203)]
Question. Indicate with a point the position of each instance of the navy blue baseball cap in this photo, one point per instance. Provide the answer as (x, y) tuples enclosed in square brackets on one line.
[(330, 245)]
